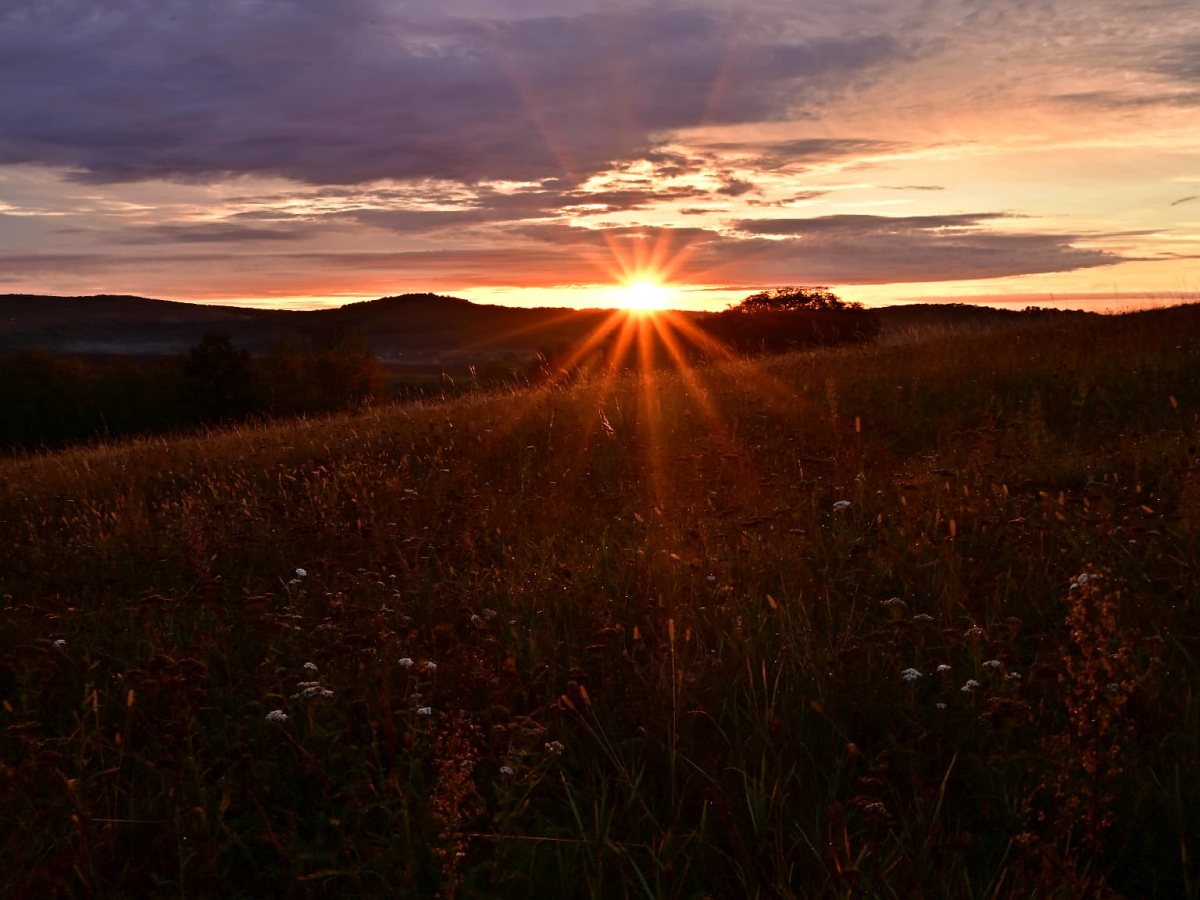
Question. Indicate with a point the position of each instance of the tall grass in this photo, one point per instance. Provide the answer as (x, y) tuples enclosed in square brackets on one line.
[(628, 638)]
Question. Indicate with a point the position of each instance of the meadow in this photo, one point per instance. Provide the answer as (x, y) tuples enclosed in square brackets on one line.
[(896, 620)]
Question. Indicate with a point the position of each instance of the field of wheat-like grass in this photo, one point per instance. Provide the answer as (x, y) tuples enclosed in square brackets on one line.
[(894, 621)]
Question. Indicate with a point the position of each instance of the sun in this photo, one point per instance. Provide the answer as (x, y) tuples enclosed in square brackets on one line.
[(643, 296)]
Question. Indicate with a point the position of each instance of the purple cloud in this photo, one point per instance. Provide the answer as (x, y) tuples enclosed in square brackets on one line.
[(361, 90)]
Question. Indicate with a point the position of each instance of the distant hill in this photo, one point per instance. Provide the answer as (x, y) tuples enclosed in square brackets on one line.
[(418, 329)]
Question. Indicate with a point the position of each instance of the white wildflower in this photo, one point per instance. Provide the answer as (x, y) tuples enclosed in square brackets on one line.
[(476, 621), (875, 807), (940, 705), (711, 579), (277, 715), (1013, 676), (60, 643), (922, 617), (969, 686), (424, 710), (973, 632), (1113, 688), (301, 573), (311, 667), (910, 675), (555, 747), (294, 581), (991, 664), (943, 668), (406, 663), (488, 613), (506, 770), (431, 667), (893, 601), (841, 505), (310, 690)]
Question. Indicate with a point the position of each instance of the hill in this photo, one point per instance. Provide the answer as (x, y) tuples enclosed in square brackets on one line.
[(912, 620), (414, 329)]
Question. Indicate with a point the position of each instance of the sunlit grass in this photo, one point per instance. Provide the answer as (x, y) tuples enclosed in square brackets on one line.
[(669, 613)]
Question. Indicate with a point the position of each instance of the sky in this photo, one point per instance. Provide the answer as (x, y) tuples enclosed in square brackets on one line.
[(308, 153)]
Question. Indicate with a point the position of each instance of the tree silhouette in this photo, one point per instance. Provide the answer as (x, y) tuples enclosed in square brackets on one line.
[(793, 299), (217, 379)]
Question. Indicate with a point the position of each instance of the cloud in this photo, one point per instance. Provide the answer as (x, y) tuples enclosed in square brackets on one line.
[(846, 249), (1118, 100), (805, 153), (863, 225), (362, 90), (211, 233)]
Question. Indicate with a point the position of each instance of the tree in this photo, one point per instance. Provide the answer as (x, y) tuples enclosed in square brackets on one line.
[(792, 299), (217, 379)]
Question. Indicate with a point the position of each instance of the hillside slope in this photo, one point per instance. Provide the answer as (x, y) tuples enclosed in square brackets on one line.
[(807, 626)]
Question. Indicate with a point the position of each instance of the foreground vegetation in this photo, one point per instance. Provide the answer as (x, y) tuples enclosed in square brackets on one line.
[(879, 621)]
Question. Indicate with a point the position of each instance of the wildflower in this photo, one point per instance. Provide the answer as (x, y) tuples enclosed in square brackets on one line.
[(893, 601), (940, 705), (424, 710), (991, 664), (910, 675), (488, 613), (310, 690), (922, 617), (943, 668), (60, 643), (1113, 688), (506, 770), (841, 505), (294, 581), (1013, 676), (431, 667), (711, 579), (301, 573), (406, 663), (277, 715), (875, 807), (969, 686), (476, 621), (555, 747), (311, 667), (973, 632)]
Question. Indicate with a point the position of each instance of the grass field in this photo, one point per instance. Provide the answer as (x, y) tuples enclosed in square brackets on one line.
[(809, 626)]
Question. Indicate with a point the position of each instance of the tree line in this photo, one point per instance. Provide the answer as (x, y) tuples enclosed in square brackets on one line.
[(51, 401)]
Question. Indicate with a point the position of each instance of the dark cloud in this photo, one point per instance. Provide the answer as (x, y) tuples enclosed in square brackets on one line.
[(1117, 100), (861, 224), (850, 249), (803, 153), (735, 187), (786, 201), (360, 90), (1181, 61), (211, 233), (21, 264)]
